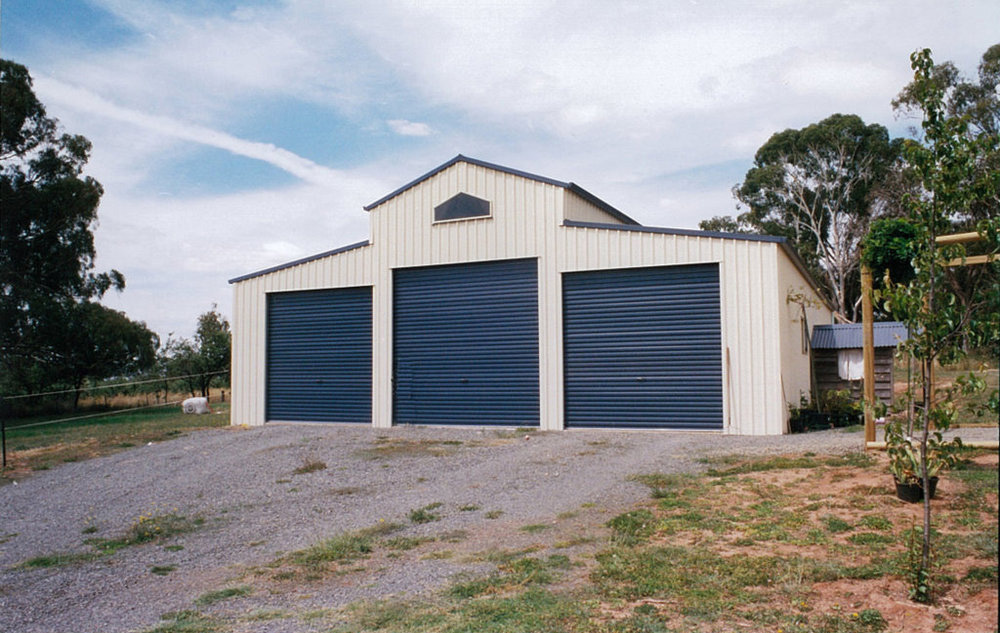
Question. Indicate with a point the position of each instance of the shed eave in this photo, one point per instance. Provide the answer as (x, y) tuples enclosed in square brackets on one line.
[(298, 262)]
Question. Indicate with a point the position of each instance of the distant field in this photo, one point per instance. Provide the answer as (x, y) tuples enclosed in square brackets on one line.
[(32, 448)]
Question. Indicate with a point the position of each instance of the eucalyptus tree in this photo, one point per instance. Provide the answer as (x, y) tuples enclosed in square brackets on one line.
[(813, 185)]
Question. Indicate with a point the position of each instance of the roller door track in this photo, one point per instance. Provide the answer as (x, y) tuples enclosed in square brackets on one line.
[(319, 356), (466, 344), (643, 348)]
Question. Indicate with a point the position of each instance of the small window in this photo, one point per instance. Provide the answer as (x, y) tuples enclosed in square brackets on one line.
[(461, 207)]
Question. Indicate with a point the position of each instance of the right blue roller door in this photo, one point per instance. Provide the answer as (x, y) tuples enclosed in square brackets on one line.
[(643, 348)]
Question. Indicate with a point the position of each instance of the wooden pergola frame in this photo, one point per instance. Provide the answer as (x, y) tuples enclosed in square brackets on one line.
[(868, 336)]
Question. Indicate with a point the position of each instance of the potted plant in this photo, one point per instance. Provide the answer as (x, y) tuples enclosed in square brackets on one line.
[(905, 459)]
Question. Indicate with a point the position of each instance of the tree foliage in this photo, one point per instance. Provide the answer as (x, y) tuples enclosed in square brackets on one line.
[(940, 313), (205, 360), (814, 186), (47, 277)]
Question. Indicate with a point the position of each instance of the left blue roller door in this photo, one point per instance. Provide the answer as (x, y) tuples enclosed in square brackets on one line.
[(319, 355)]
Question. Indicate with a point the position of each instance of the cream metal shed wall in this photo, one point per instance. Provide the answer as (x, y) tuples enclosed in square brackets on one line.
[(349, 267), (533, 218), (795, 292)]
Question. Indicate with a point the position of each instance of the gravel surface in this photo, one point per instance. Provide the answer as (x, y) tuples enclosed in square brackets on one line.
[(241, 482)]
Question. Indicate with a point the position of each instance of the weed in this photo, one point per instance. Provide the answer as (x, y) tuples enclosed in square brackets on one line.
[(162, 570), (835, 524), (343, 548), (265, 615), (173, 548), (402, 543), (425, 514), (310, 466), (493, 514), (345, 491), (631, 527), (90, 529), (57, 560), (471, 507), (211, 597), (871, 538), (534, 528), (186, 622), (876, 522)]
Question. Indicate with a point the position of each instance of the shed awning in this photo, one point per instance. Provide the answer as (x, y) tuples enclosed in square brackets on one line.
[(849, 335)]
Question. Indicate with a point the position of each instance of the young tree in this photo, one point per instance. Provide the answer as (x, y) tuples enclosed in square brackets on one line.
[(813, 186), (947, 161), (206, 359), (46, 244)]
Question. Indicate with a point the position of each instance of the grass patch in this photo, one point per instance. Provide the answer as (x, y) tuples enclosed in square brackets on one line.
[(494, 514), (162, 570), (632, 527), (310, 466), (702, 557), (425, 514), (393, 447), (212, 597), (37, 448), (188, 621), (340, 549), (58, 560), (534, 528), (471, 507)]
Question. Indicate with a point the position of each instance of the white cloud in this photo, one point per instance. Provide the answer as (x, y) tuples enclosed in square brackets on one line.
[(409, 128), (80, 99)]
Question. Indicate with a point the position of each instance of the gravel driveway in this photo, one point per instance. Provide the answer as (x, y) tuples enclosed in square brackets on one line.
[(491, 483)]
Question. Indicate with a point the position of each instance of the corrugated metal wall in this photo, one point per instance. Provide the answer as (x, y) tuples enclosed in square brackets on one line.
[(527, 223)]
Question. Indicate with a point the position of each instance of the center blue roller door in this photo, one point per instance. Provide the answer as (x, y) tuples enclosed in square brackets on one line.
[(466, 344), (643, 348), (319, 356)]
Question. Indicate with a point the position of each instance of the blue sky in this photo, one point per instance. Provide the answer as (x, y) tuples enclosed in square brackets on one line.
[(232, 136)]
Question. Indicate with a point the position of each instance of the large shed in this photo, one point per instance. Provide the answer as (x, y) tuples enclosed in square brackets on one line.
[(490, 296)]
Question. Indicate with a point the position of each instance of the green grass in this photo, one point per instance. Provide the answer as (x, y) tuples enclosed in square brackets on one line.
[(535, 528), (425, 514), (186, 622), (342, 548), (146, 529), (58, 560), (83, 439), (211, 597), (162, 570)]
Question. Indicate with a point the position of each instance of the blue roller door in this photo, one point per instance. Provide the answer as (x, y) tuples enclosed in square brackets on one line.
[(642, 348), (465, 344), (319, 355)]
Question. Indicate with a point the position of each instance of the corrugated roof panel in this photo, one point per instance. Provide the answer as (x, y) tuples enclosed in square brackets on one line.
[(850, 336)]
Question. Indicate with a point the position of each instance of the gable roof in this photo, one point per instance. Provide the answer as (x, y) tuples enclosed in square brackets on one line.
[(850, 336), (570, 186)]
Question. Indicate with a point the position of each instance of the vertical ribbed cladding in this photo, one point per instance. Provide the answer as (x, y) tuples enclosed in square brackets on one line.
[(466, 344), (319, 356), (643, 348)]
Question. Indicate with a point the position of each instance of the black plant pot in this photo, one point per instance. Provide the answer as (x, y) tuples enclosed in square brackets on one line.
[(912, 493)]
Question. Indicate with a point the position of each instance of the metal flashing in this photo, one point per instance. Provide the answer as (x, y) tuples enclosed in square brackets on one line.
[(297, 262)]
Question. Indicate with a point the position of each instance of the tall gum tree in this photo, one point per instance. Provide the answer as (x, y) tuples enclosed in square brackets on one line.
[(813, 186), (49, 207)]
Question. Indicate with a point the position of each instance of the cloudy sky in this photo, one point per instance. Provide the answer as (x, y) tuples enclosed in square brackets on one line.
[(231, 136)]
